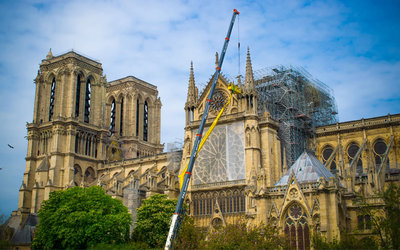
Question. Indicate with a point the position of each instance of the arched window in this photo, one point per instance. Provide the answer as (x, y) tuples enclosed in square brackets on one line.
[(78, 95), (52, 98), (380, 148), (112, 122), (89, 175), (87, 100), (145, 121), (296, 227), (121, 121), (137, 117), (351, 153), (326, 153), (77, 174), (76, 143)]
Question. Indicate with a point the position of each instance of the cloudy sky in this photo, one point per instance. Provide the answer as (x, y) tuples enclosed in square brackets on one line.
[(352, 46)]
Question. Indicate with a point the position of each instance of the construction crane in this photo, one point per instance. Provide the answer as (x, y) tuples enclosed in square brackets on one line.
[(178, 211)]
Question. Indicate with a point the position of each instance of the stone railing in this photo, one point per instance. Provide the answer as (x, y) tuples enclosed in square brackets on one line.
[(219, 184)]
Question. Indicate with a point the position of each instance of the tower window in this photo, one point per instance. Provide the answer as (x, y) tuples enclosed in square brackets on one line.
[(121, 121), (137, 117), (52, 98), (145, 120), (87, 101), (78, 95), (112, 124)]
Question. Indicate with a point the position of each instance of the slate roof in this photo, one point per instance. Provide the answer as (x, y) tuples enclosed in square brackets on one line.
[(307, 168)]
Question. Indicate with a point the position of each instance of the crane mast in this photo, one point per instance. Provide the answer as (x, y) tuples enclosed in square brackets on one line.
[(178, 211)]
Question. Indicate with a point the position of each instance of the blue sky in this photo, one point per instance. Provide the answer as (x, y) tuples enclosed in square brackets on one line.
[(352, 46)]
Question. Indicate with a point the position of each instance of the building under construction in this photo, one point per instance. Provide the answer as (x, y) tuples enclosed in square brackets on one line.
[(298, 102)]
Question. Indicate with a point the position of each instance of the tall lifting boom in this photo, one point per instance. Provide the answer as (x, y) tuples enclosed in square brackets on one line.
[(178, 211)]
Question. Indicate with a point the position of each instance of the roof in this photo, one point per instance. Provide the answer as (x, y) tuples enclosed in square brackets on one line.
[(307, 168)]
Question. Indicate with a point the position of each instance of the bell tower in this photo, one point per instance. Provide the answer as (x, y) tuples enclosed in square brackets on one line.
[(66, 139)]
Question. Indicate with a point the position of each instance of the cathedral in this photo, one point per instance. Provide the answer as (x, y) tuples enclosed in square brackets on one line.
[(277, 156)]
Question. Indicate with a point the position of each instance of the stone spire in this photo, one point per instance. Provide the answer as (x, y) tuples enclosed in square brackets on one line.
[(49, 55), (216, 59), (249, 79), (192, 90)]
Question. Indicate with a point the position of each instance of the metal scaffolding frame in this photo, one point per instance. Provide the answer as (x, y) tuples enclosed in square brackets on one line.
[(298, 102)]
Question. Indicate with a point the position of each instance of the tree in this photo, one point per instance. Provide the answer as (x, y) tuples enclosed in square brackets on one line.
[(385, 219), (77, 218), (153, 220)]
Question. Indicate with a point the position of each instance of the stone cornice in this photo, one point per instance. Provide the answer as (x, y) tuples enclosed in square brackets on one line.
[(358, 125), (71, 58)]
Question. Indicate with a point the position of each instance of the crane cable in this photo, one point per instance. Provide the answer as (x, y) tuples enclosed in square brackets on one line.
[(233, 90), (238, 25)]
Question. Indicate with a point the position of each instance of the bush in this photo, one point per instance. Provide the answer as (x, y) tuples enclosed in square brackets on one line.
[(240, 236)]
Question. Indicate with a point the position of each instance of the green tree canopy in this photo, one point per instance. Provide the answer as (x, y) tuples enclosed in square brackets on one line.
[(153, 220), (77, 218)]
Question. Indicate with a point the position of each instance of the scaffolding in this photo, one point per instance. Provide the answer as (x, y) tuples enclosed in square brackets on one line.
[(298, 102)]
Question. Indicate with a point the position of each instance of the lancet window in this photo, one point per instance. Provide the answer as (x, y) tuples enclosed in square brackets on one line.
[(87, 100), (145, 120), (112, 119), (380, 148), (121, 121), (52, 98), (137, 117), (231, 202), (86, 144), (78, 95), (296, 227)]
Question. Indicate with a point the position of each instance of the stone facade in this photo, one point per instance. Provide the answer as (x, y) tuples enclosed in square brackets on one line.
[(88, 131)]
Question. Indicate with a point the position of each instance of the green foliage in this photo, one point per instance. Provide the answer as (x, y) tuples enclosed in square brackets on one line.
[(127, 246), (240, 236), (153, 220), (385, 219), (347, 241), (77, 218), (189, 236)]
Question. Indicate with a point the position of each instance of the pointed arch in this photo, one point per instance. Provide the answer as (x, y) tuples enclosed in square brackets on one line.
[(295, 221), (52, 98), (88, 97), (121, 117), (112, 116), (79, 78), (145, 120)]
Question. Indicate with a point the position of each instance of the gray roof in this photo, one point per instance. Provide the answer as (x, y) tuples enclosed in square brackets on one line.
[(307, 168)]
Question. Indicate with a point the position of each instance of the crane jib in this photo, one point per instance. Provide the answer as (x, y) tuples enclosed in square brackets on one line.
[(178, 211)]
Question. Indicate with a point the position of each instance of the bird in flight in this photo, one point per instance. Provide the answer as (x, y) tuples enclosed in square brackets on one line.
[(10, 146)]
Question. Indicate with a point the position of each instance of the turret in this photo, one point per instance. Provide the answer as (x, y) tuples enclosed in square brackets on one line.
[(250, 93), (191, 97)]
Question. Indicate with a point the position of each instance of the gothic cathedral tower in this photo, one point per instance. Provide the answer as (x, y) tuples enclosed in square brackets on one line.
[(66, 140)]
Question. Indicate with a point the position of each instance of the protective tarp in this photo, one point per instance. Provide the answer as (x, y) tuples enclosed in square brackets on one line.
[(222, 157)]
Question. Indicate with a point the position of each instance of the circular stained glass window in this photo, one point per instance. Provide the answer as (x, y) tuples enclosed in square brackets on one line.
[(327, 153), (218, 100), (380, 147), (295, 212)]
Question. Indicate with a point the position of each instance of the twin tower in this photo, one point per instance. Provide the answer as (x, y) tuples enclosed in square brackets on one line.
[(82, 122)]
